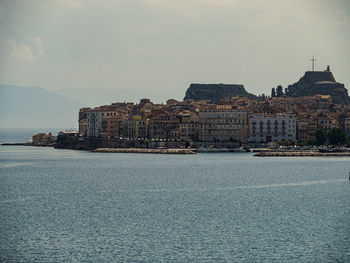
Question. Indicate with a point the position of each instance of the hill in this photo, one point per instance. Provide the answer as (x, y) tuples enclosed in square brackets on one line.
[(34, 107), (319, 82)]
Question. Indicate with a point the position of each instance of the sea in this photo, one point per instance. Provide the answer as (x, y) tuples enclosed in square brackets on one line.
[(79, 206)]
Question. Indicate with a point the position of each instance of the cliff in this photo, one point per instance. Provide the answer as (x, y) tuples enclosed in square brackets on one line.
[(319, 82), (215, 92)]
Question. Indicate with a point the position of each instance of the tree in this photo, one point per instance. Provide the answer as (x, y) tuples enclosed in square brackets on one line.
[(146, 141), (321, 137), (337, 136), (286, 90), (187, 143), (279, 91), (273, 93), (311, 142), (284, 142)]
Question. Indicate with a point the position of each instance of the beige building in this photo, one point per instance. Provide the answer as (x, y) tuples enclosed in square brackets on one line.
[(83, 121), (302, 131), (189, 130), (136, 127), (223, 123), (327, 123), (306, 130), (101, 121), (165, 127)]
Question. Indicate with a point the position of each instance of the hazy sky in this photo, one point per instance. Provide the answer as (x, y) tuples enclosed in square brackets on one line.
[(101, 51)]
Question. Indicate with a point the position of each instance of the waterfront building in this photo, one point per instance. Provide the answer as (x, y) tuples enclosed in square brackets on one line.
[(83, 121), (189, 130), (302, 131), (93, 123), (135, 127), (312, 130), (163, 126), (223, 123), (101, 120), (327, 123), (306, 130), (272, 128)]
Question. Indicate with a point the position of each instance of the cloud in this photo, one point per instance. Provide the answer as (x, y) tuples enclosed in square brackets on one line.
[(39, 44), (24, 52), (19, 51), (71, 3)]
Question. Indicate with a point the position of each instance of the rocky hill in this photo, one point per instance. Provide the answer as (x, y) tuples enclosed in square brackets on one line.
[(319, 82), (215, 92)]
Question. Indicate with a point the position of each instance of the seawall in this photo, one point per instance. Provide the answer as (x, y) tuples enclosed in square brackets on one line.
[(143, 150)]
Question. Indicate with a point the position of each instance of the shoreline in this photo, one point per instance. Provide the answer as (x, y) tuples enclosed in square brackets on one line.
[(259, 152), (24, 144), (301, 154)]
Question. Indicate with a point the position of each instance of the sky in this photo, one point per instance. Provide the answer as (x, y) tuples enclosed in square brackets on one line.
[(102, 51)]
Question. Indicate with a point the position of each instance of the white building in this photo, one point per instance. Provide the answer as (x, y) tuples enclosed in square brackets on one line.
[(99, 121), (272, 128), (93, 123)]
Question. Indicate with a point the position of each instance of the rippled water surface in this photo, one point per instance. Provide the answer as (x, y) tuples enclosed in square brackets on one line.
[(76, 206)]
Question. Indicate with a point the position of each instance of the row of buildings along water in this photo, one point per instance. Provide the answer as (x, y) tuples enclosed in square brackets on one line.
[(232, 120)]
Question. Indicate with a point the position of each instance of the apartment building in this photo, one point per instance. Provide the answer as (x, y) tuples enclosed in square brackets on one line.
[(327, 123), (165, 127), (189, 130), (223, 123), (101, 121), (135, 127), (272, 128), (83, 121)]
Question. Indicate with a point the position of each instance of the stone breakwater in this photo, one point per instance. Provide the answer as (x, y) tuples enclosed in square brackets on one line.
[(300, 154), (143, 150)]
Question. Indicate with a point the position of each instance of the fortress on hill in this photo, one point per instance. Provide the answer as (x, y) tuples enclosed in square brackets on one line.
[(319, 82), (312, 83)]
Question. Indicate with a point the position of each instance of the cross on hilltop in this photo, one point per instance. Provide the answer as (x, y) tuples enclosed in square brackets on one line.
[(313, 63)]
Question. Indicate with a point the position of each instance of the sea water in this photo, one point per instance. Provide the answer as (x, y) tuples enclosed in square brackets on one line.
[(78, 206)]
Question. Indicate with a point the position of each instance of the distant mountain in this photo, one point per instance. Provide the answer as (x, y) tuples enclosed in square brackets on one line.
[(34, 107), (215, 92), (319, 82)]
